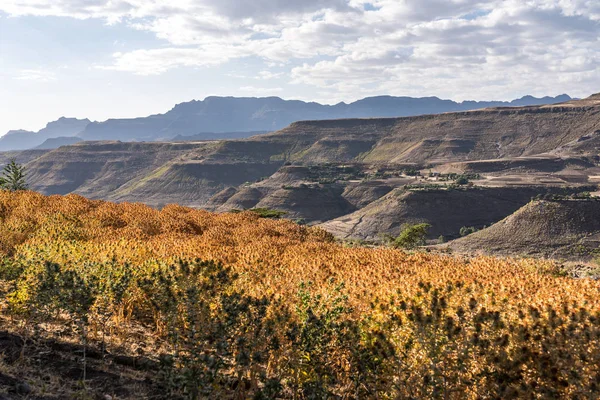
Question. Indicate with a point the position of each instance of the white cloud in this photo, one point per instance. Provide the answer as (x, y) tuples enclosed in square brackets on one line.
[(37, 75), (267, 75), (158, 61), (350, 48)]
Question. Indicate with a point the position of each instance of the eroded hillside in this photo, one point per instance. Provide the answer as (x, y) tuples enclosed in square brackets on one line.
[(560, 228), (358, 177)]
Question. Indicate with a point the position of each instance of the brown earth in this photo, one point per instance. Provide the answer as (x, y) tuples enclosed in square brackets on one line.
[(446, 210), (563, 229)]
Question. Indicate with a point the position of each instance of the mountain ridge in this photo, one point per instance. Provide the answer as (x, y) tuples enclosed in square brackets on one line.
[(192, 172), (249, 114), (218, 117), (358, 178), (24, 140)]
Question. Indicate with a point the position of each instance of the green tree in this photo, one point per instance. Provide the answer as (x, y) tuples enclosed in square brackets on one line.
[(462, 180), (13, 177), (412, 236), (467, 230)]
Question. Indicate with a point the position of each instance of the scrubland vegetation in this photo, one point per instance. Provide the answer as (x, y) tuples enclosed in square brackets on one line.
[(238, 306)]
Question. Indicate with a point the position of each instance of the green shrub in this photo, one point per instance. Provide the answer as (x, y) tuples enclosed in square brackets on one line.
[(263, 212), (411, 172), (412, 236), (335, 353), (467, 230), (53, 290), (462, 180), (221, 337), (268, 213)]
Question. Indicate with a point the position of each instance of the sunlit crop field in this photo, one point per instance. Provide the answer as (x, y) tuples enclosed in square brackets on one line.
[(279, 310)]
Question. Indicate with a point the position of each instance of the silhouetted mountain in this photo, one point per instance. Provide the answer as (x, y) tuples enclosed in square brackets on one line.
[(240, 117), (233, 114), (22, 140), (532, 101)]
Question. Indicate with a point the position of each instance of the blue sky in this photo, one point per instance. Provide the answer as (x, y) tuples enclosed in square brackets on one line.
[(117, 58)]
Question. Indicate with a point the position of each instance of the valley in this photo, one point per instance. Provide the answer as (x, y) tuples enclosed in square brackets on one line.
[(299, 200), (361, 179)]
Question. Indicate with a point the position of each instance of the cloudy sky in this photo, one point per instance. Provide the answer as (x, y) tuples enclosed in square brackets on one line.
[(123, 58)]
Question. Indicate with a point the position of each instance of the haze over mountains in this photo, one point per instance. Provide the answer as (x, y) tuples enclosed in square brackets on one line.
[(231, 117), (61, 128)]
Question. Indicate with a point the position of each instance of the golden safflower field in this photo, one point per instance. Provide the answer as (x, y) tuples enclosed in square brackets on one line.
[(237, 306)]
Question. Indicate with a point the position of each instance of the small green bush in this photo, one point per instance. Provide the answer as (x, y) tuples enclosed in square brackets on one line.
[(467, 230), (268, 213), (262, 212), (462, 180), (411, 172), (412, 236)]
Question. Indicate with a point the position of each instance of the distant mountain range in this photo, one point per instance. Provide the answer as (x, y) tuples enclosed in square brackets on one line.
[(23, 140), (233, 117)]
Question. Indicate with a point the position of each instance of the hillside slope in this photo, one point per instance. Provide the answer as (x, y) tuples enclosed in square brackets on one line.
[(181, 301), (97, 169), (568, 229), (191, 173), (476, 135), (446, 210)]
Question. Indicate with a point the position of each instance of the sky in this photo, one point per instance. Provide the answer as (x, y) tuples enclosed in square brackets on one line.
[(105, 59)]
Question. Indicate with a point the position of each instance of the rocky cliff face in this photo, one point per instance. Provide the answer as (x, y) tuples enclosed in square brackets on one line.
[(476, 135)]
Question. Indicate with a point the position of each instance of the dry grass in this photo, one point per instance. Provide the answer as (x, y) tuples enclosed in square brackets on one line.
[(274, 257)]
